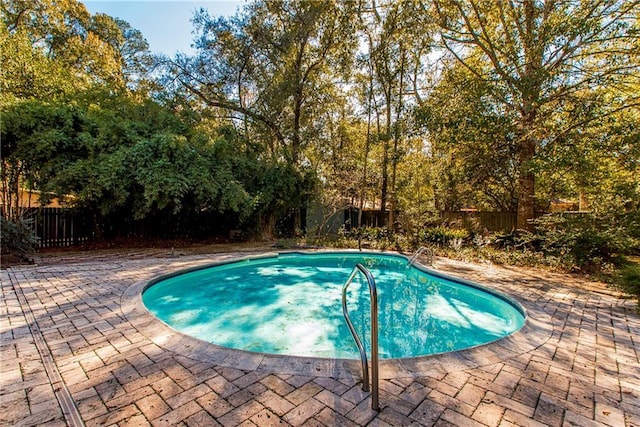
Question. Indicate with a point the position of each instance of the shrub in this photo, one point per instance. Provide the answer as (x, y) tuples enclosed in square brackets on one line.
[(442, 236), (17, 238), (587, 240), (628, 279), (522, 240), (380, 238)]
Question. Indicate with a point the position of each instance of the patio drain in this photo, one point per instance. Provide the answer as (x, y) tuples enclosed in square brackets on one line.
[(69, 409)]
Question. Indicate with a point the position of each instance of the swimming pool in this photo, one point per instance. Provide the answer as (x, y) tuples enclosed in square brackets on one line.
[(290, 303)]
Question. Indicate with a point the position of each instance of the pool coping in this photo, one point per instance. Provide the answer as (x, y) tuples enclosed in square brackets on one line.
[(536, 331)]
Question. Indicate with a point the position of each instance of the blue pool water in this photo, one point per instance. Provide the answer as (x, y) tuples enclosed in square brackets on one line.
[(291, 304)]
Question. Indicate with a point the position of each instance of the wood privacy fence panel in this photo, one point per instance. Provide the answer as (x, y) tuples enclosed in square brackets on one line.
[(491, 221), (57, 227)]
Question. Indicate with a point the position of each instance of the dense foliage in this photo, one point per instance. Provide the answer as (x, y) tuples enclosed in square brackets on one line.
[(16, 238), (139, 161)]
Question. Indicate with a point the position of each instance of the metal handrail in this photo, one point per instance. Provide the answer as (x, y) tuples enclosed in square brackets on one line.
[(373, 292), (415, 256)]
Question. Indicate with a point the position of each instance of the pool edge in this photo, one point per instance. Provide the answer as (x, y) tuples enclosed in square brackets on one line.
[(536, 330)]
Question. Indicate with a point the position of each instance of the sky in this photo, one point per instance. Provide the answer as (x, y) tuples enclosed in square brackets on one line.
[(165, 24)]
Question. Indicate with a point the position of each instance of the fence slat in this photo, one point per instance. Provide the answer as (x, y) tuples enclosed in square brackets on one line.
[(56, 227), (492, 221)]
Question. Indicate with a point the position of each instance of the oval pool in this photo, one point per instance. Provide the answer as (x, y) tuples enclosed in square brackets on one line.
[(290, 303)]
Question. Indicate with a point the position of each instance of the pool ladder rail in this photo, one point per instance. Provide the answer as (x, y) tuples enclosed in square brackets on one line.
[(373, 292), (422, 250)]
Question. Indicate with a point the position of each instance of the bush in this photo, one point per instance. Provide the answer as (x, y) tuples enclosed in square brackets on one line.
[(588, 240), (522, 240), (380, 238), (628, 279), (17, 238), (370, 233), (442, 236)]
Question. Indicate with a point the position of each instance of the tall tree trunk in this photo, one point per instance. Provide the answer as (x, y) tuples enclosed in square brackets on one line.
[(267, 226), (295, 138), (295, 152), (366, 152), (526, 185), (11, 194), (396, 141), (530, 104), (385, 159), (379, 136)]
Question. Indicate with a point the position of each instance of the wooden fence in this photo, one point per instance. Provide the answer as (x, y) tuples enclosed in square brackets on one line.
[(56, 227), (59, 227), (491, 221)]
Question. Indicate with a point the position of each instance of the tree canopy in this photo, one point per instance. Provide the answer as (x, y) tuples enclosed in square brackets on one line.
[(536, 59)]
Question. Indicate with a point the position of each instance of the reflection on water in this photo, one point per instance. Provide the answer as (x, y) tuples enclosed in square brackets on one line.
[(292, 305)]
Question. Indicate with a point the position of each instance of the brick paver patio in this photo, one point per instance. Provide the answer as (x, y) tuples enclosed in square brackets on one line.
[(77, 348)]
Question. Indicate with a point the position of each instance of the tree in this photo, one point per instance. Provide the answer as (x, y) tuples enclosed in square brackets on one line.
[(122, 159), (272, 69), (130, 48), (37, 140), (598, 162), (27, 72), (537, 54), (393, 58), (62, 48), (472, 143), (58, 52)]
